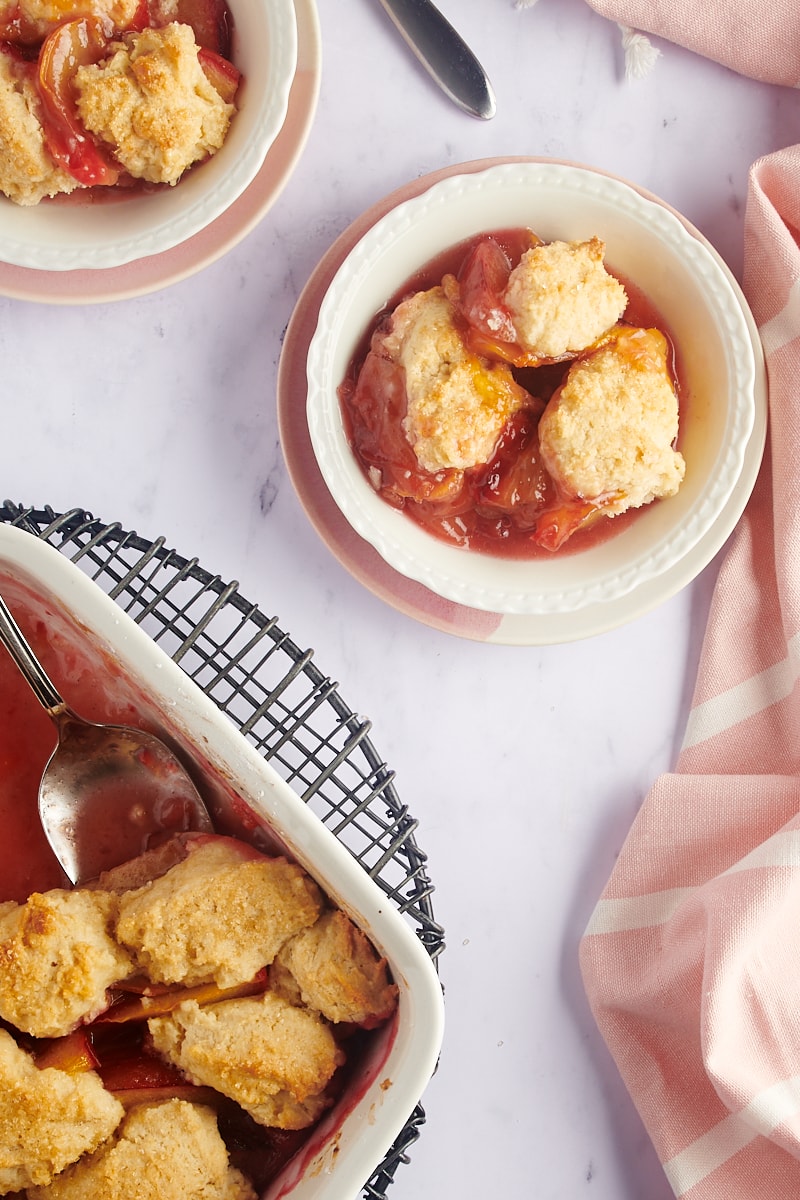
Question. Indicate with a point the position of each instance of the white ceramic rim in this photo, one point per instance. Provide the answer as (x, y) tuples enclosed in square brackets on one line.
[(369, 1129), (409, 549), (247, 146)]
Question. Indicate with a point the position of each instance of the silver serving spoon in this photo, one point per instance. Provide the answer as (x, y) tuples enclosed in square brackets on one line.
[(444, 54), (108, 791)]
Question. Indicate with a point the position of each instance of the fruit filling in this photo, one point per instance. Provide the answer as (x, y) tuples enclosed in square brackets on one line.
[(516, 394), (119, 94), (205, 995)]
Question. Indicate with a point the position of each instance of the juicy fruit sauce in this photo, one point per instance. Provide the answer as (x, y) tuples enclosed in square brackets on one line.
[(27, 738), (97, 689), (94, 686), (488, 528)]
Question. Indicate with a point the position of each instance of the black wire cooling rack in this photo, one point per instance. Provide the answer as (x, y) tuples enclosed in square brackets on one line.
[(274, 693)]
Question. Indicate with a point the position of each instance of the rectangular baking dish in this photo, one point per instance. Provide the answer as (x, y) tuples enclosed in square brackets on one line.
[(108, 668)]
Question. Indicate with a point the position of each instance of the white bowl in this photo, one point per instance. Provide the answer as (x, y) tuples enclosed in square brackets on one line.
[(93, 643), (654, 248), (65, 236)]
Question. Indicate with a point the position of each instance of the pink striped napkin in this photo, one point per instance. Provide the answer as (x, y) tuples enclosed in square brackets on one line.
[(691, 960)]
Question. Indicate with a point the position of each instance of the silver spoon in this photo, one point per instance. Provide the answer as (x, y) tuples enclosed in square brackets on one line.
[(108, 791), (444, 54)]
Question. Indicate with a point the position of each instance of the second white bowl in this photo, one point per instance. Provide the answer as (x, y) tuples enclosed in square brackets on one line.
[(650, 245)]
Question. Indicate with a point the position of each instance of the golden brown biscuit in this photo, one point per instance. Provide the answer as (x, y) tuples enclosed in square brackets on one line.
[(336, 971), (166, 1151), (562, 299), (27, 172), (273, 1059), (458, 402), (38, 17), (57, 959), (151, 102), (216, 916), (607, 435), (48, 1118)]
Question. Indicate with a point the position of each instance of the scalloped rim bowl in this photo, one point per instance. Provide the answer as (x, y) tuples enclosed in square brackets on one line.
[(69, 235), (653, 247)]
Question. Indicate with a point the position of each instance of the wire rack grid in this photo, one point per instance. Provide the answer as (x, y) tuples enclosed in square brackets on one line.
[(275, 694)]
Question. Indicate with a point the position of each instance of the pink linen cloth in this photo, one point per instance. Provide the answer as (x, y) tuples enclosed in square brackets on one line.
[(759, 38), (691, 960)]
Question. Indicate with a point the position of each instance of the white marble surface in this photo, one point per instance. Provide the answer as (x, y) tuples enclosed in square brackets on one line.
[(523, 766)]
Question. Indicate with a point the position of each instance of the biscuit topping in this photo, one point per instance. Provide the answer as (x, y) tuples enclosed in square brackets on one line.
[(457, 402), (160, 1041), (48, 1118), (151, 103), (608, 433), (514, 399), (107, 102), (562, 299), (57, 960)]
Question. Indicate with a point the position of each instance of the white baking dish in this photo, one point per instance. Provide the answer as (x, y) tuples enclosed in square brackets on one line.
[(101, 659)]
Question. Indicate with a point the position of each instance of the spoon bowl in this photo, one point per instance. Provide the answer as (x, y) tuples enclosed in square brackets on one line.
[(108, 792)]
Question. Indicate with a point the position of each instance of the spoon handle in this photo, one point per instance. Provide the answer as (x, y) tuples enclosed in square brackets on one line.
[(14, 641), (444, 54)]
